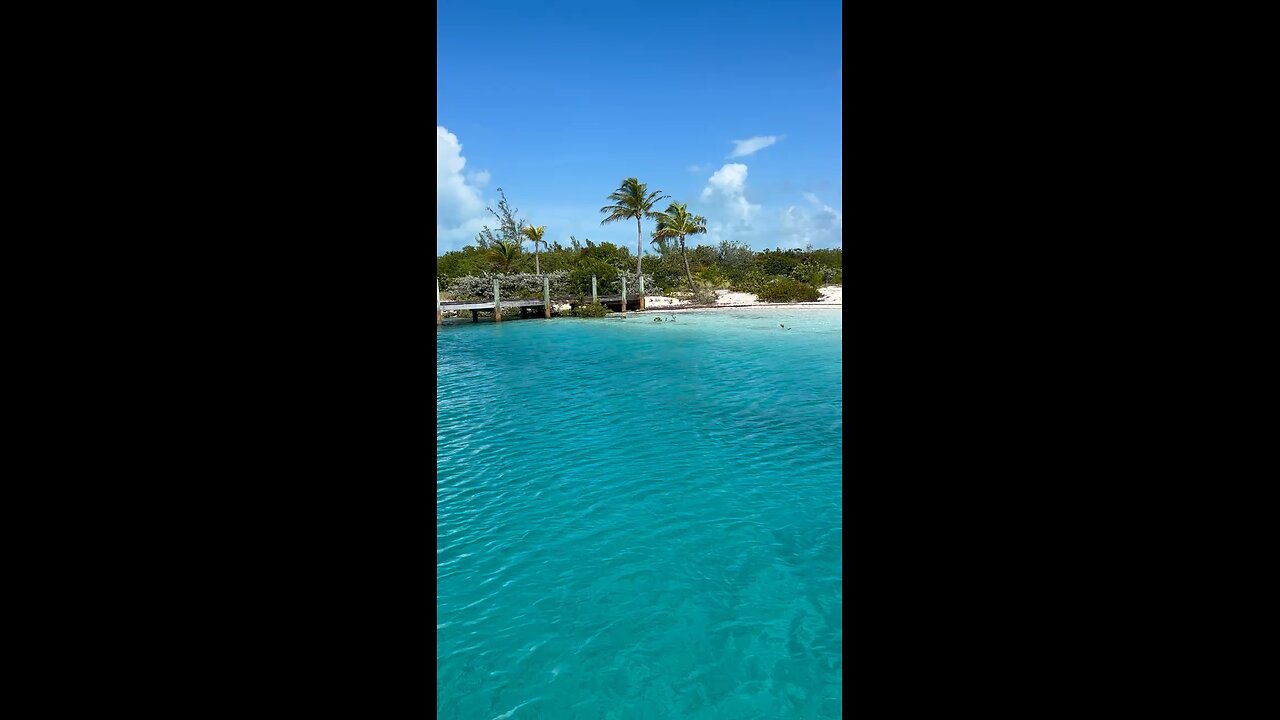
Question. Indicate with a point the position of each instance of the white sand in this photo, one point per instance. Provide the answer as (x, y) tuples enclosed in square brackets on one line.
[(729, 297), (831, 294), (828, 295)]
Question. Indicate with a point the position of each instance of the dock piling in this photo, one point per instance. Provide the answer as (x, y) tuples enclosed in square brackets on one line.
[(497, 303), (546, 295)]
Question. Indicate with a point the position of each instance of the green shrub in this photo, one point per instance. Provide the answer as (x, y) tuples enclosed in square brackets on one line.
[(713, 277), (704, 294), (788, 290), (667, 272), (753, 281), (515, 286), (579, 279), (811, 273), (589, 310), (777, 262)]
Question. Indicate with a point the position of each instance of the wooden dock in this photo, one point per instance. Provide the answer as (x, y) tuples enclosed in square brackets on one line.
[(498, 305)]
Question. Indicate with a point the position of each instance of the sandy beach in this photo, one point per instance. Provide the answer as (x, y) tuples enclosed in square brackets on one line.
[(829, 296)]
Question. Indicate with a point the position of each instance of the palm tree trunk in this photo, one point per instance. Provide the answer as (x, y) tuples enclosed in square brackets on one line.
[(687, 274), (537, 269), (639, 247)]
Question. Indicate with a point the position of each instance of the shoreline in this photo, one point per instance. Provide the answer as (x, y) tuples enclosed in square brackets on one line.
[(830, 296), (694, 308)]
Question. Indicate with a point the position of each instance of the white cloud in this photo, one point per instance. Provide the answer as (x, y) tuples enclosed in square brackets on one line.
[(833, 217), (726, 189), (695, 168), (479, 179), (730, 179), (762, 228), (743, 148), (821, 226), (460, 212)]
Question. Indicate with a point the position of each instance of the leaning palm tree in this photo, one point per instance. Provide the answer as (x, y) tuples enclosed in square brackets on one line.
[(632, 200), (535, 236), (676, 222), (504, 253)]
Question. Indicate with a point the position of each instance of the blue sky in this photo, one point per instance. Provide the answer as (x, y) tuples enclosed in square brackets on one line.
[(556, 102)]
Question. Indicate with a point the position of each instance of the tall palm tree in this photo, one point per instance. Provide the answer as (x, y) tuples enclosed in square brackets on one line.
[(676, 222), (632, 200), (504, 252), (535, 236)]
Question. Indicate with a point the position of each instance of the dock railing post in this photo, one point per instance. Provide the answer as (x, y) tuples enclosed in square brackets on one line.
[(624, 296), (497, 303), (546, 295), (642, 303), (593, 290), (439, 316)]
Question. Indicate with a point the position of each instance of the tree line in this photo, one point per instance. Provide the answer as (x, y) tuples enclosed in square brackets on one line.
[(673, 269)]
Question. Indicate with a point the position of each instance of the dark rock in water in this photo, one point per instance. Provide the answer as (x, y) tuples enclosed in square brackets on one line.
[(657, 319)]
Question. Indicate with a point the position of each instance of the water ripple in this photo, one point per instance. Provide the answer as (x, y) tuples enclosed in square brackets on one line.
[(640, 519)]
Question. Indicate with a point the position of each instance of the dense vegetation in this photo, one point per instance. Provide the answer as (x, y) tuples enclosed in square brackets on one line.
[(788, 290), (773, 275), (589, 310)]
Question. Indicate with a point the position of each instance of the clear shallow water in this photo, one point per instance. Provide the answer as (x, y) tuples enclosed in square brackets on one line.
[(640, 519)]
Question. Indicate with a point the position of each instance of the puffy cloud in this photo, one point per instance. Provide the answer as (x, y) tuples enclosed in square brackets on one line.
[(762, 228), (792, 227), (742, 148), (729, 179), (820, 226), (460, 211), (726, 189)]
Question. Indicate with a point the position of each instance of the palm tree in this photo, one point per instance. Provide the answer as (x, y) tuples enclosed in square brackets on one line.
[(676, 222), (504, 253), (632, 200), (661, 242), (535, 236)]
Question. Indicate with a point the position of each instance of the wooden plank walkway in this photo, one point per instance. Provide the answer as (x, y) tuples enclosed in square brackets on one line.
[(496, 306), (488, 304)]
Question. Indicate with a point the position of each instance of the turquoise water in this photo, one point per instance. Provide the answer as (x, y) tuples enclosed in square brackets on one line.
[(640, 519)]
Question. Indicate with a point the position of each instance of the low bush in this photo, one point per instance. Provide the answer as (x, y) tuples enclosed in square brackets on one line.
[(713, 277), (814, 274), (589, 310), (513, 287), (633, 284), (705, 294), (753, 281), (777, 262), (788, 290), (578, 281)]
